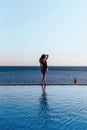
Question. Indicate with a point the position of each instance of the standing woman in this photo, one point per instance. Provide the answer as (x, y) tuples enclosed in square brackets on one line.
[(43, 66)]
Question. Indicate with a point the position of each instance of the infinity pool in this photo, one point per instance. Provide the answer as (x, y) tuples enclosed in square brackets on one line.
[(30, 108)]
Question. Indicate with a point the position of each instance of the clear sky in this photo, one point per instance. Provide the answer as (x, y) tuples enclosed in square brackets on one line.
[(29, 28)]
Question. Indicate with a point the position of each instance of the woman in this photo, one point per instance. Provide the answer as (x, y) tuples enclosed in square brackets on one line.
[(44, 67)]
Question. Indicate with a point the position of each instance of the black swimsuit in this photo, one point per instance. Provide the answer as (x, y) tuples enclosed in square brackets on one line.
[(44, 67)]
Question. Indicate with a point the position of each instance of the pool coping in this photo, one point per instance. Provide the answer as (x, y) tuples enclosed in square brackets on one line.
[(35, 84)]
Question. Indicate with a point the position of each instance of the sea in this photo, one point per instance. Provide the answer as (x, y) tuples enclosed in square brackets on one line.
[(33, 75)]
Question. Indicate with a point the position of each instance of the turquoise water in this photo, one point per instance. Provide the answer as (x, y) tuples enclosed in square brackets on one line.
[(29, 108)]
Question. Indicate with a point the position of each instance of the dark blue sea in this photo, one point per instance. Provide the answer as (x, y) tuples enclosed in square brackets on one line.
[(32, 75)]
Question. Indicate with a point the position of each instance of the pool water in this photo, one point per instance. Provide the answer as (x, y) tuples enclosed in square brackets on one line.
[(30, 108)]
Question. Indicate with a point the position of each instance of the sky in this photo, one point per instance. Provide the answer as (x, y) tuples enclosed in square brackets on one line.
[(30, 28)]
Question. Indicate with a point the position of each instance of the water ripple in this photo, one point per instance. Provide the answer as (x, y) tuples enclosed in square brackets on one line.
[(59, 108)]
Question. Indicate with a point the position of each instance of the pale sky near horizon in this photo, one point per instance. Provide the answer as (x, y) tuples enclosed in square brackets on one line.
[(29, 28)]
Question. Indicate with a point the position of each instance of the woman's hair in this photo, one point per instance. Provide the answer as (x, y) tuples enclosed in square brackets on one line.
[(43, 56)]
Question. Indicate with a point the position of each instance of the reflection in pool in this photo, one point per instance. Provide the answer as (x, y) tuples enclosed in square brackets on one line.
[(32, 108)]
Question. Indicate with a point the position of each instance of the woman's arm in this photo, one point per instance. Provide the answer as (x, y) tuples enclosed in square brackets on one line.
[(47, 56)]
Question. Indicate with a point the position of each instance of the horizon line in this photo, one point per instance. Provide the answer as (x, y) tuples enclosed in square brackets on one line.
[(39, 66)]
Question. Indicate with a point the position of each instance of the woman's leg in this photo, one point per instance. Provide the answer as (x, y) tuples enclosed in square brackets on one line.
[(44, 78), (44, 75)]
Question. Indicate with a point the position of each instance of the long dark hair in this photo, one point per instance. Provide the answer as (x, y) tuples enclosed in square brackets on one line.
[(42, 57)]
